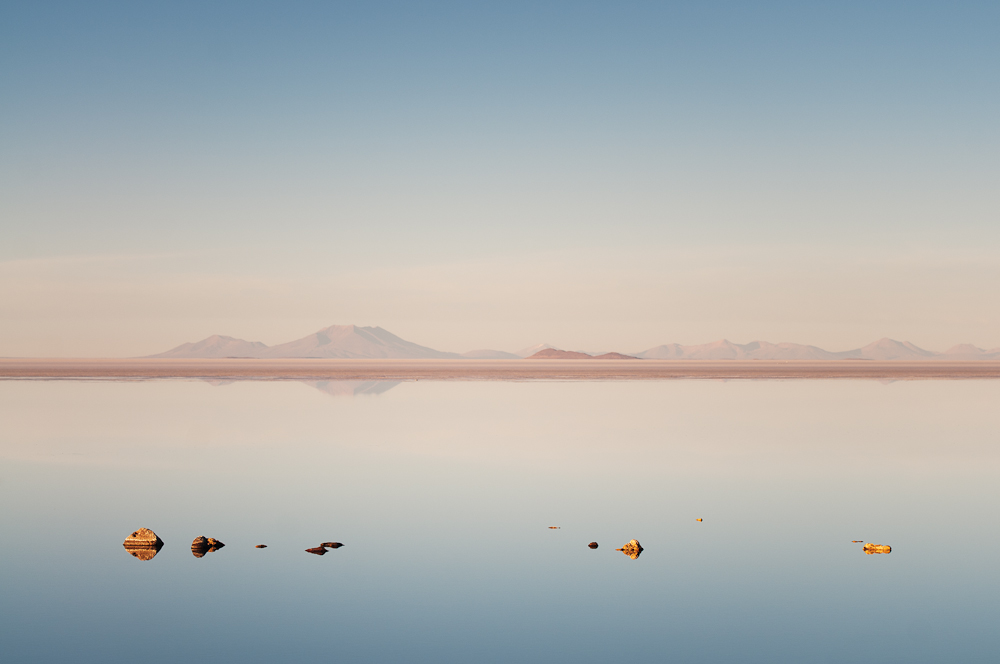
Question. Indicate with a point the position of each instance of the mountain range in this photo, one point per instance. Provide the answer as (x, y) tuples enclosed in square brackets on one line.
[(354, 342)]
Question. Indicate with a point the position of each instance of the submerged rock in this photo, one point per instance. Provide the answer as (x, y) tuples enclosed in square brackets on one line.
[(332, 545), (318, 550), (632, 549), (202, 545), (593, 545), (877, 548)]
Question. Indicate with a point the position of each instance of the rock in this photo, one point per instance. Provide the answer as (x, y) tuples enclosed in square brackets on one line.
[(202, 545), (331, 545), (318, 550), (877, 548), (593, 545), (261, 546), (144, 538), (632, 549)]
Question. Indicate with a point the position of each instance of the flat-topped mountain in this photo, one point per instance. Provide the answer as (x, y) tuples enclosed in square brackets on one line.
[(556, 354)]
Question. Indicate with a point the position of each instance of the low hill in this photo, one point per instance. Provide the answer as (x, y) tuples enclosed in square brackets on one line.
[(882, 350), (556, 354), (486, 354), (217, 346)]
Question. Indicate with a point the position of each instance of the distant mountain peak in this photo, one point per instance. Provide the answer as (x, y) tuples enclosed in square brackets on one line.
[(335, 341)]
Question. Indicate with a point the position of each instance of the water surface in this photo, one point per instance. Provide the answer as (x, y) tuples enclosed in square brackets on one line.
[(443, 494)]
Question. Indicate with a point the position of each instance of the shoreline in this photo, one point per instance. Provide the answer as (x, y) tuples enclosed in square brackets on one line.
[(517, 370)]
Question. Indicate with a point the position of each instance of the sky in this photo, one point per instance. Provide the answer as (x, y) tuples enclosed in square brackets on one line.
[(597, 176)]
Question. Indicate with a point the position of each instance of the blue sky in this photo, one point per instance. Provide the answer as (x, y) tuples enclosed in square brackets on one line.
[(593, 175)]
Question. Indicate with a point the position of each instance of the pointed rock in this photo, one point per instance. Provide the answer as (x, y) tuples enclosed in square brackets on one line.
[(632, 549)]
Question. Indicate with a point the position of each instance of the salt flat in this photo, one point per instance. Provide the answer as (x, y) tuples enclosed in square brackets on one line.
[(343, 369)]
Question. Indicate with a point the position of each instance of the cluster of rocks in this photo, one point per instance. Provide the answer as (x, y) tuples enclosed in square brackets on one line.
[(144, 544)]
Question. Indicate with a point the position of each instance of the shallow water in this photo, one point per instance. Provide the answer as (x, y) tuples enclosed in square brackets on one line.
[(443, 494)]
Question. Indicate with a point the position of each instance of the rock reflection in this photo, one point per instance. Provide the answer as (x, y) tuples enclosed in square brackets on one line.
[(202, 545), (633, 549), (143, 544)]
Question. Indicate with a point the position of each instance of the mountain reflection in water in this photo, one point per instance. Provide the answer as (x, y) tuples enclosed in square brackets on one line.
[(335, 388)]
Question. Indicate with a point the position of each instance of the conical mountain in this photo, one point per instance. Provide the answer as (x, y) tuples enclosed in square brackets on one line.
[(351, 341)]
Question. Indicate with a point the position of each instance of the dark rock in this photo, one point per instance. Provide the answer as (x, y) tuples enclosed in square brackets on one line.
[(332, 545), (593, 545), (318, 550)]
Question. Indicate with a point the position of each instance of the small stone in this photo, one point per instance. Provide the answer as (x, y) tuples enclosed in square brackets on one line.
[(632, 549), (318, 550), (593, 545), (331, 545), (261, 546)]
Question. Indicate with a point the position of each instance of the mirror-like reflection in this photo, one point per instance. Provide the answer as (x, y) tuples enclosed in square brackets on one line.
[(429, 468), (633, 549), (143, 544), (202, 545)]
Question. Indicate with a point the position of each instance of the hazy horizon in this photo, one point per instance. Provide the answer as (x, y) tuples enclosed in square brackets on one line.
[(580, 174)]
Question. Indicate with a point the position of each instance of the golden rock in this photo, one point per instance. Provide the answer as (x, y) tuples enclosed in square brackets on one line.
[(632, 549), (877, 548)]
